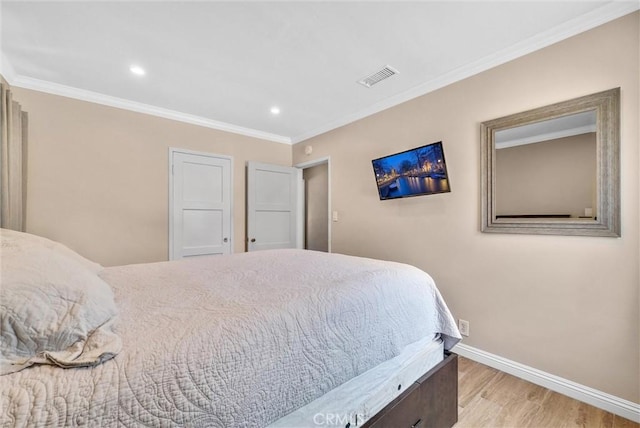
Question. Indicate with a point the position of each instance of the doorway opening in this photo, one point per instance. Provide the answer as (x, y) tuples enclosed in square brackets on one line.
[(317, 207)]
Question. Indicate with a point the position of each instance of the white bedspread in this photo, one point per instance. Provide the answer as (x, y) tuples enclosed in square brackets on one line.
[(234, 341)]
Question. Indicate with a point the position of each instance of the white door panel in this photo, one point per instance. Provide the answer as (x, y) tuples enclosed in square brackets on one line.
[(273, 188), (200, 205), (272, 206), (202, 228), (199, 178), (273, 227)]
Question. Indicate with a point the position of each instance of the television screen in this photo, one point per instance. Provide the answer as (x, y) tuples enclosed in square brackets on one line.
[(419, 171)]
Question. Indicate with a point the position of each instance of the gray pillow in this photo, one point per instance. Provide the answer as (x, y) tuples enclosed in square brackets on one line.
[(54, 309)]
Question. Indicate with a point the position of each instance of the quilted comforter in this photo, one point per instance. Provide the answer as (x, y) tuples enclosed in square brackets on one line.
[(232, 341)]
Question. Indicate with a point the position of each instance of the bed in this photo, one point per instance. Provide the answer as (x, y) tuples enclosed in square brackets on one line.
[(280, 338)]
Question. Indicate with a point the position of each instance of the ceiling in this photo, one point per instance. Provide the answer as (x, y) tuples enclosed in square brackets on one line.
[(546, 130), (226, 64)]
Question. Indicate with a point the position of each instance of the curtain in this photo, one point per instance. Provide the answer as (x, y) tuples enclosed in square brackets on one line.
[(13, 162)]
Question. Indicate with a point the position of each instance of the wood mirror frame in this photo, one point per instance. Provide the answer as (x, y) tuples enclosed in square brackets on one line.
[(607, 222)]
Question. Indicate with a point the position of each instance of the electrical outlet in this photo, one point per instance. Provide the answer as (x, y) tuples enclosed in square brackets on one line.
[(463, 326)]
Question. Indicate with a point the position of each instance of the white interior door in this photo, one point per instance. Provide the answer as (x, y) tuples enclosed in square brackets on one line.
[(200, 189), (273, 207)]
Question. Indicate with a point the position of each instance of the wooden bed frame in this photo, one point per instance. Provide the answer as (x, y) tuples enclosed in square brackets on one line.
[(431, 401)]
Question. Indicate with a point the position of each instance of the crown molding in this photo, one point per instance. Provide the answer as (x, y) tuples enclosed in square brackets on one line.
[(98, 98), (602, 400), (597, 17), (602, 15)]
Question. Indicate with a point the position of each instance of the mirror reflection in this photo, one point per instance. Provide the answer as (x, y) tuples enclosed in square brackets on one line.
[(547, 169), (554, 169)]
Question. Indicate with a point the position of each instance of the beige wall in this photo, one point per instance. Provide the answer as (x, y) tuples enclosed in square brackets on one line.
[(98, 176), (565, 305), (549, 177)]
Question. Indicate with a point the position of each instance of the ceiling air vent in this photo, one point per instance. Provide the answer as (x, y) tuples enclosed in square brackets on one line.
[(378, 76)]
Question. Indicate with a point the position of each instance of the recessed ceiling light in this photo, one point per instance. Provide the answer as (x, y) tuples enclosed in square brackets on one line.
[(137, 70), (275, 110)]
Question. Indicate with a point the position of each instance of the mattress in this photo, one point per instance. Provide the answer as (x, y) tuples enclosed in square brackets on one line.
[(235, 341), (358, 399)]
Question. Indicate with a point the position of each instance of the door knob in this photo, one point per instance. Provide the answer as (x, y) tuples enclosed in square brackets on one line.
[(225, 240), (253, 239)]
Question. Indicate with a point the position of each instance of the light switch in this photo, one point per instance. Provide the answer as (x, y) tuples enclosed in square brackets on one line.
[(334, 216)]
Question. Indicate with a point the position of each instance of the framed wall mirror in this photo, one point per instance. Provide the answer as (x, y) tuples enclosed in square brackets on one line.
[(554, 170)]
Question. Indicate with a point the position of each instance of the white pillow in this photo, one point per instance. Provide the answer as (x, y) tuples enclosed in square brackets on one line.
[(53, 309), (26, 240)]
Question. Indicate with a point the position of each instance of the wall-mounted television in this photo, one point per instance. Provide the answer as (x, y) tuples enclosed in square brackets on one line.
[(415, 172)]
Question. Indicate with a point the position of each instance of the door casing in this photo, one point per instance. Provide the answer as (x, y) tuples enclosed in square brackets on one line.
[(316, 162)]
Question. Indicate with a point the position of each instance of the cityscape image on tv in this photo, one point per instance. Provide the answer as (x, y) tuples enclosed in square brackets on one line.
[(415, 172)]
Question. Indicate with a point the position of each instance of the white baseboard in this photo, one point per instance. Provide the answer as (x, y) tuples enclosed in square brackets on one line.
[(602, 400)]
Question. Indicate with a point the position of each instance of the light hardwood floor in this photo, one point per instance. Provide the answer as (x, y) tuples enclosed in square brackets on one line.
[(490, 398)]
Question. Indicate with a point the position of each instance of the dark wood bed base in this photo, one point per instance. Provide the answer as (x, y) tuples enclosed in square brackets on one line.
[(431, 401)]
